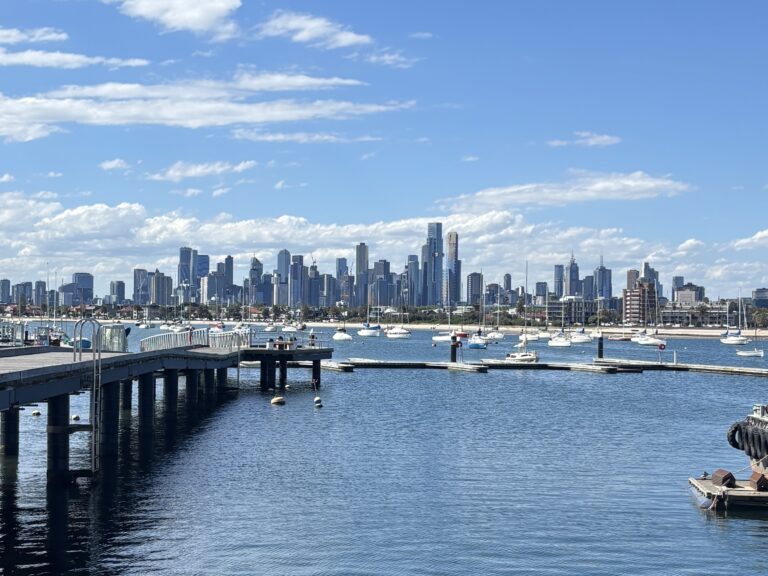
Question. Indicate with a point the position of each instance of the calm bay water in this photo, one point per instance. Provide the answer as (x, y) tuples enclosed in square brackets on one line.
[(402, 472)]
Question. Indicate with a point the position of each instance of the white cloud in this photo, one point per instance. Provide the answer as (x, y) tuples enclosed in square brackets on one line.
[(587, 139), (219, 191), (182, 170), (388, 57), (313, 30), (298, 137), (43, 59), (116, 164), (368, 156), (690, 245), (45, 195), (199, 16), (6, 178), (280, 184), (31, 36), (111, 240), (283, 185), (28, 118), (53, 174), (242, 84), (757, 240), (470, 158), (188, 192), (422, 35), (582, 186)]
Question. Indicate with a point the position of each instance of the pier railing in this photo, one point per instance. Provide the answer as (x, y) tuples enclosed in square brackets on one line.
[(174, 340), (228, 340)]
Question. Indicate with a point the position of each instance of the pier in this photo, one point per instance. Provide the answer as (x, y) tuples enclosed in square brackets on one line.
[(198, 359)]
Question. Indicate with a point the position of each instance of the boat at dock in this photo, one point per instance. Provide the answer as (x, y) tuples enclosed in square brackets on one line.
[(721, 490)]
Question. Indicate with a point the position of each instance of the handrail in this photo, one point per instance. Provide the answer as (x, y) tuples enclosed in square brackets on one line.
[(170, 340)]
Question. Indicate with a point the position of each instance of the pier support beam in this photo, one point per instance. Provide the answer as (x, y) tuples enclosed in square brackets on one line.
[(9, 431), (316, 373), (268, 368), (171, 390), (209, 383), (109, 420), (146, 403), (58, 438), (191, 380), (221, 378), (283, 372), (126, 394), (600, 347)]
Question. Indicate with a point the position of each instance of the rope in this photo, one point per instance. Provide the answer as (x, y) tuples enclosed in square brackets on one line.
[(751, 465)]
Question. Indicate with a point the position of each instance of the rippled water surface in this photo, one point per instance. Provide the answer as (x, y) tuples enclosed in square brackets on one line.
[(407, 472)]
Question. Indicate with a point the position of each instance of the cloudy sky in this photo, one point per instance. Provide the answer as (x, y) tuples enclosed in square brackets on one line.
[(535, 130)]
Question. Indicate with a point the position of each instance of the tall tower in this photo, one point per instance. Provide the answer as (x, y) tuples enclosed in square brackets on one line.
[(361, 274), (432, 265), (453, 267), (559, 280), (603, 285), (571, 283)]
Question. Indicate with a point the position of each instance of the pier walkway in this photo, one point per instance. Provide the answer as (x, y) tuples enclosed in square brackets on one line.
[(50, 374)]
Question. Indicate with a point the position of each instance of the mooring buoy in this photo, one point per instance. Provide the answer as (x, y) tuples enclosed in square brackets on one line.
[(278, 401), (36, 412), (75, 417)]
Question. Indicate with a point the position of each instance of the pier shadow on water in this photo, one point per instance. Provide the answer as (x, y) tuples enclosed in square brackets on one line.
[(81, 527)]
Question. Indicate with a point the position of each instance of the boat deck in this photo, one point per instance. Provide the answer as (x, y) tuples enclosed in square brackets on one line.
[(719, 497)]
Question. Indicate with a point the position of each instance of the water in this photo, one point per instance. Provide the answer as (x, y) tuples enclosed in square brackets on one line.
[(403, 472)]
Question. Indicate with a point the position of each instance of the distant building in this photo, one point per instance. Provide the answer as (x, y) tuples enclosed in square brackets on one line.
[(759, 297), (140, 286), (639, 304), (474, 288), (603, 282), (40, 294), (117, 292), (342, 269), (571, 282), (453, 268), (5, 291), (432, 265), (361, 274), (559, 280), (632, 277)]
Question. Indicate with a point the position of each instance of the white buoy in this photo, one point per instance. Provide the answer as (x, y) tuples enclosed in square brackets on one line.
[(318, 405), (278, 401), (75, 417), (36, 412), (318, 400), (287, 386)]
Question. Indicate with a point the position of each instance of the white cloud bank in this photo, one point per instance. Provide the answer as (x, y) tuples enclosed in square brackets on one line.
[(182, 170), (65, 60), (313, 30), (582, 186), (587, 139), (31, 36), (213, 17)]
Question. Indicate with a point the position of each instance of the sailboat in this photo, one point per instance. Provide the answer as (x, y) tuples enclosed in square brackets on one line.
[(496, 334), (561, 339), (370, 330), (449, 335), (755, 352), (399, 332), (735, 338)]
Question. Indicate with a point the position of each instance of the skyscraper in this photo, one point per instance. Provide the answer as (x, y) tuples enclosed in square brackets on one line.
[(453, 267), (603, 282), (571, 282), (186, 272), (255, 288), (361, 274), (341, 268), (632, 277), (412, 284), (140, 286), (432, 265), (559, 280), (474, 288)]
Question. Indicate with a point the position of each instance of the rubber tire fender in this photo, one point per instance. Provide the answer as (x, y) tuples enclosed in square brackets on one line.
[(735, 436)]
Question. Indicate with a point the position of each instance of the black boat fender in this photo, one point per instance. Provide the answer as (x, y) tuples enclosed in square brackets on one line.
[(735, 436)]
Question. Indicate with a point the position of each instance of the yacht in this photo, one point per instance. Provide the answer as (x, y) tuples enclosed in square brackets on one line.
[(398, 332)]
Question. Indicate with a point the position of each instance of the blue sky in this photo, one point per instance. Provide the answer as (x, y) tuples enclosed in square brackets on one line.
[(635, 131)]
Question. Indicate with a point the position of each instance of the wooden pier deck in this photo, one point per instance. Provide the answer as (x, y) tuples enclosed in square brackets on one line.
[(708, 368), (742, 495)]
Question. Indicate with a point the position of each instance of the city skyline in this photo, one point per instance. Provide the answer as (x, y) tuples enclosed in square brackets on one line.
[(130, 129)]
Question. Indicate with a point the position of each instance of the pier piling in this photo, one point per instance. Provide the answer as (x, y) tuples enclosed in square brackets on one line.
[(126, 394), (58, 438), (146, 403), (109, 420), (9, 431)]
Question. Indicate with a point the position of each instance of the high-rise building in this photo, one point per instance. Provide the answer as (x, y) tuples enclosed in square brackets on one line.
[(411, 295), (342, 269), (202, 267), (632, 277), (117, 291), (474, 288), (432, 265), (140, 286), (186, 272), (229, 273), (453, 267), (255, 286), (559, 280), (603, 282), (649, 274), (507, 282), (83, 282), (571, 282), (361, 274), (5, 291), (297, 282), (39, 296), (540, 290), (759, 297), (677, 282)]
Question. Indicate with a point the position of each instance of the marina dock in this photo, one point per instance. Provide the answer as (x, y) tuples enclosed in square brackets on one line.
[(678, 367), (714, 497)]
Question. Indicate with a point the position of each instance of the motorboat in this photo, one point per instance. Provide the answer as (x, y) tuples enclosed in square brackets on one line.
[(477, 342), (756, 353), (580, 337), (398, 332), (559, 340), (369, 330), (341, 334), (449, 336)]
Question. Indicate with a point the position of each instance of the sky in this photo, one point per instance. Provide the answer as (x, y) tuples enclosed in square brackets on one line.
[(625, 131)]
